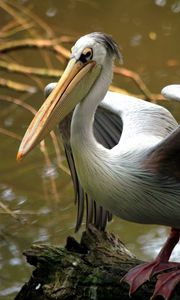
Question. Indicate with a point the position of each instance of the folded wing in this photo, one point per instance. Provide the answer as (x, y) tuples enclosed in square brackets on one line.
[(164, 159)]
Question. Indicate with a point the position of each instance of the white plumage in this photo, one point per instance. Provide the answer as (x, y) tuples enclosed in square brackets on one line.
[(116, 177)]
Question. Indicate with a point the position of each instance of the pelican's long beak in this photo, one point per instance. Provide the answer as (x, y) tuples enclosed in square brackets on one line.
[(72, 87)]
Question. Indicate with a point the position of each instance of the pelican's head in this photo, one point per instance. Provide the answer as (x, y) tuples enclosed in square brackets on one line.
[(96, 46), (89, 55)]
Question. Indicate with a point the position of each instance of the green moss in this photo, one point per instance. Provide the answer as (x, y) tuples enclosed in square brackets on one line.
[(94, 278), (93, 293)]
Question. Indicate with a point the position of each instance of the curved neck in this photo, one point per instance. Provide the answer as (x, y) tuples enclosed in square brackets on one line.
[(87, 152), (83, 116)]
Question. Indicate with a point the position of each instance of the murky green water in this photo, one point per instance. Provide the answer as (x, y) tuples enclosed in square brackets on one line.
[(148, 33)]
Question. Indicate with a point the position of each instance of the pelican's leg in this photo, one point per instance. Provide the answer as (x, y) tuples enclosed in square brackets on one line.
[(166, 282)]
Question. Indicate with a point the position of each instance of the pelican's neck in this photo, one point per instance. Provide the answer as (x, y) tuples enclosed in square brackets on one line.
[(87, 152), (83, 116)]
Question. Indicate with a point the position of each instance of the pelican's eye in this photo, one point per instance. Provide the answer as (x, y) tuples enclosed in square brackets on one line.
[(86, 55)]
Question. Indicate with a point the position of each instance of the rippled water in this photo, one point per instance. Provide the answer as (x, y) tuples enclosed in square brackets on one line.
[(41, 194)]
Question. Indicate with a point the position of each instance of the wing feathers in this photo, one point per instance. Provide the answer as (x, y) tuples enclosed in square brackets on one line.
[(165, 157), (70, 161), (102, 136), (80, 212), (107, 128), (89, 211)]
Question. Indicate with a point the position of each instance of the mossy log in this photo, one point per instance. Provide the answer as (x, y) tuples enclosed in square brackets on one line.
[(91, 269)]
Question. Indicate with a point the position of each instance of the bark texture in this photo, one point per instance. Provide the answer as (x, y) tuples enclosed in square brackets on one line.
[(91, 269)]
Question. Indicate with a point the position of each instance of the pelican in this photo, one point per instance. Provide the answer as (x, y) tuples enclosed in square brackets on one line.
[(124, 152)]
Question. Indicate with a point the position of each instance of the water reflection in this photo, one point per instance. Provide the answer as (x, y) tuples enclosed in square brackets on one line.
[(152, 242), (175, 7), (8, 122), (51, 12), (6, 293), (160, 2), (39, 196), (7, 194), (50, 171), (136, 40)]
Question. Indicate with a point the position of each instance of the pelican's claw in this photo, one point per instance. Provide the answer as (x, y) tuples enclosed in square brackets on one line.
[(144, 272), (166, 284)]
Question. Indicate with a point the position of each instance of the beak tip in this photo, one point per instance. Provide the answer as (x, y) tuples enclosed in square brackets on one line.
[(19, 156)]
